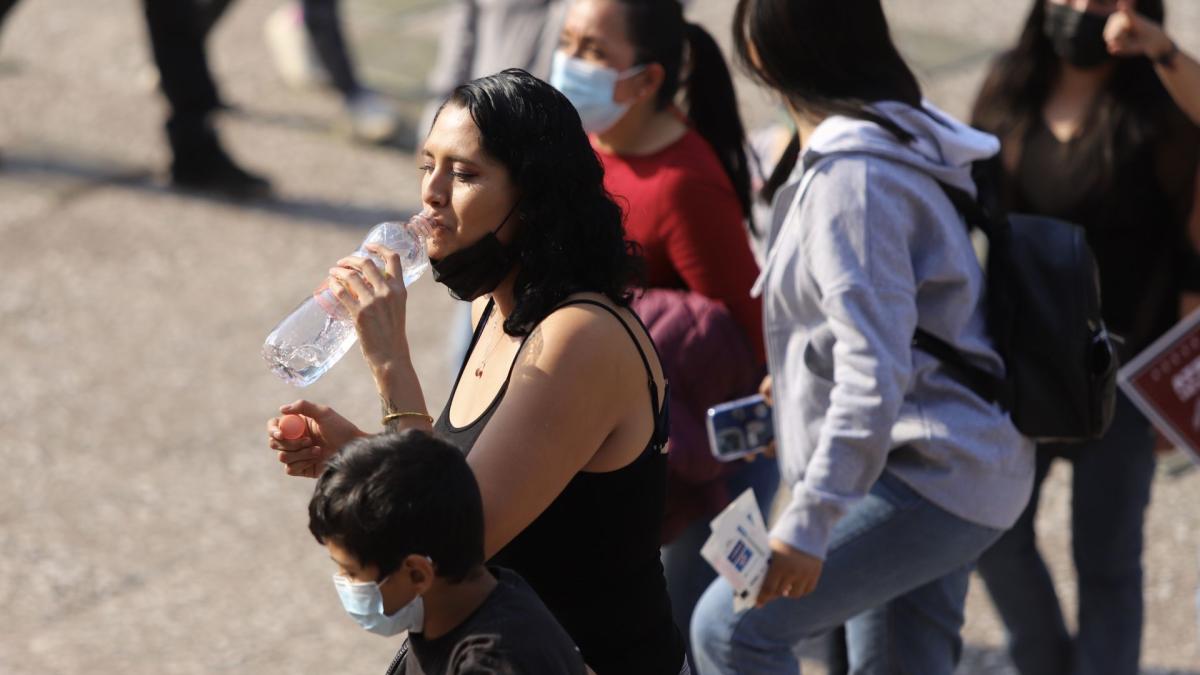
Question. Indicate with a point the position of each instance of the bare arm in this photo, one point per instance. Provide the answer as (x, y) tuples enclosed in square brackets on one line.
[(569, 391), (1131, 34), (377, 299), (1182, 80)]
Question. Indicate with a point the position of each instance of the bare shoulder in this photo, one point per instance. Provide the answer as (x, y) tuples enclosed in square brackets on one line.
[(589, 341), (590, 316), (582, 328)]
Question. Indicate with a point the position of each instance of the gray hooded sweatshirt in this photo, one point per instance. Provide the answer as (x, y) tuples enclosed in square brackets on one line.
[(864, 247)]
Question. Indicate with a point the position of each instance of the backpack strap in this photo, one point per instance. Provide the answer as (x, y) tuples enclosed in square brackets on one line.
[(984, 384)]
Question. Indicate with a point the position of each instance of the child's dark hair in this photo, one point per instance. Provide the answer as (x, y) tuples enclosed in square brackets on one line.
[(386, 497)]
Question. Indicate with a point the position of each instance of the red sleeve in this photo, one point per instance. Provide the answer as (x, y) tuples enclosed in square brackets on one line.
[(708, 245)]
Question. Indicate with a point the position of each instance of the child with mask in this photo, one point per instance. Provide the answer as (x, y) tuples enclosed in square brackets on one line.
[(402, 519)]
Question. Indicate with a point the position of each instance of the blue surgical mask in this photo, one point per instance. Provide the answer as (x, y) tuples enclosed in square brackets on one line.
[(364, 602), (589, 87)]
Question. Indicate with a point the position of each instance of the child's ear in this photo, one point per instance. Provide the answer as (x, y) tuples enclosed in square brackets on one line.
[(420, 572)]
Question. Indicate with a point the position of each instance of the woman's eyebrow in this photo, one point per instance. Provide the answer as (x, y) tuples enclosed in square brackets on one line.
[(453, 158)]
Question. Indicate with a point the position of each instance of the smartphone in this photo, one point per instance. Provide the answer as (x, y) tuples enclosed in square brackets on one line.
[(740, 428)]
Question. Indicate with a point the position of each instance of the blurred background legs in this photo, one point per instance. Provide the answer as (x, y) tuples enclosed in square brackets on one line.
[(198, 161)]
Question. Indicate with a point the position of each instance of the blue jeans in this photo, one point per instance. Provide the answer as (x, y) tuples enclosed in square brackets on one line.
[(896, 574), (1110, 492), (688, 575)]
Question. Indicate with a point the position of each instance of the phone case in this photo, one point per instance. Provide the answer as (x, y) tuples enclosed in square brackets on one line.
[(739, 428)]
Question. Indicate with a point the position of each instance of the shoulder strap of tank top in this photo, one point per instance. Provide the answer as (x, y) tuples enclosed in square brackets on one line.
[(483, 319), (660, 413)]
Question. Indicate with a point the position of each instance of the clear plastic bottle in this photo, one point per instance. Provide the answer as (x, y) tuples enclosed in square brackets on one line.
[(319, 332)]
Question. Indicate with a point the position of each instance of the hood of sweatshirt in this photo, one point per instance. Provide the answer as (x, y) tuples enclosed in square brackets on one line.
[(943, 147)]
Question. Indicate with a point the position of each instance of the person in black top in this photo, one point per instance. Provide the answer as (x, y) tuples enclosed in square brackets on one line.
[(402, 519), (559, 404), (1092, 134)]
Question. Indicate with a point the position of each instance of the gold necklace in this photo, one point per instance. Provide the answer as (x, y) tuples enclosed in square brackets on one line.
[(491, 349)]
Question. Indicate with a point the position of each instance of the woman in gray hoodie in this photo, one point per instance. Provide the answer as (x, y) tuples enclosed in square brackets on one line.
[(899, 475)]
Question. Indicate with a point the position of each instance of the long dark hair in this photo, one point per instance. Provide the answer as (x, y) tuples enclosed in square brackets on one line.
[(658, 32), (1021, 80), (829, 57), (571, 238)]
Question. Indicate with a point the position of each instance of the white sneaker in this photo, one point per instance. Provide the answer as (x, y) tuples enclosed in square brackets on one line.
[(372, 117), (291, 49)]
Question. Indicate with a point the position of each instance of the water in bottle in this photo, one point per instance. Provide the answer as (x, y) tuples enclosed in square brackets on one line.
[(319, 332)]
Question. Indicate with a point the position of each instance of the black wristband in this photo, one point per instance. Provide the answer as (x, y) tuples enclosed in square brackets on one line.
[(1167, 59)]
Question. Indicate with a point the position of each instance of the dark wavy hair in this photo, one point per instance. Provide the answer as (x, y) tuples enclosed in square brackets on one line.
[(571, 237), (385, 497), (831, 57), (659, 34), (1021, 80)]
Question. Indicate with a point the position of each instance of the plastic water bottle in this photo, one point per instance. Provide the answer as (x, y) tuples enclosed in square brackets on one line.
[(319, 332)]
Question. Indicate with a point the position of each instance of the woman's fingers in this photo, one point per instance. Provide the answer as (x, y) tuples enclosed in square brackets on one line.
[(372, 274), (315, 453), (303, 469), (392, 265), (276, 441), (367, 270), (304, 407), (766, 390), (772, 585), (353, 280), (284, 445), (341, 285)]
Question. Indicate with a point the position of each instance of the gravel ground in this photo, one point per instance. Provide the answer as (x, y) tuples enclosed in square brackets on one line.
[(144, 528)]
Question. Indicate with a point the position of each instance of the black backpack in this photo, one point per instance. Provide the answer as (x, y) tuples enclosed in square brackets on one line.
[(1043, 313)]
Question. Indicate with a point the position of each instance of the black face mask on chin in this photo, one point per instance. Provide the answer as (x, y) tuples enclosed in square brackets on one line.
[(1078, 37), (476, 269)]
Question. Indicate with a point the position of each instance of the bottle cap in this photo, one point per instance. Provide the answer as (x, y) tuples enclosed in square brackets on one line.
[(292, 427)]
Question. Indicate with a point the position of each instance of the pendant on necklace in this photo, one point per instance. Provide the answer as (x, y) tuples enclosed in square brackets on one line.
[(479, 371)]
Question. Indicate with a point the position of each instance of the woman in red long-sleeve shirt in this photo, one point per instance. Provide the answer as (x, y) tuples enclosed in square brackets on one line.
[(682, 208), (684, 184), (682, 179)]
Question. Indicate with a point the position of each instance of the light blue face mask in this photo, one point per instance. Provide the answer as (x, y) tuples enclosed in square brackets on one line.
[(589, 87), (364, 602)]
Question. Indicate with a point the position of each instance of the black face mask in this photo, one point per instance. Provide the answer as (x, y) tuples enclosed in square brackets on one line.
[(1078, 37), (477, 269)]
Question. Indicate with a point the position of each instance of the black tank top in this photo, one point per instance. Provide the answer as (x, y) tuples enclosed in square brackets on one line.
[(592, 555)]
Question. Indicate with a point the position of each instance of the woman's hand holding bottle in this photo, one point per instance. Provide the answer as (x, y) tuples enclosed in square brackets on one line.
[(377, 301)]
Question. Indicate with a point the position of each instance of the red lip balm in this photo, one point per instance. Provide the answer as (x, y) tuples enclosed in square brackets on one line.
[(292, 427)]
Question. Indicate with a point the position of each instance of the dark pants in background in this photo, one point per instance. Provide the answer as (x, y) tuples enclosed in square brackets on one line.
[(1110, 493), (177, 39)]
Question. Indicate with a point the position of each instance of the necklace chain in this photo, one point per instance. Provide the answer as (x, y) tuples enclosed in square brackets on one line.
[(491, 349)]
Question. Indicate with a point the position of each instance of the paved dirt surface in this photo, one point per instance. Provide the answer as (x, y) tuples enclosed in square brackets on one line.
[(144, 526)]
